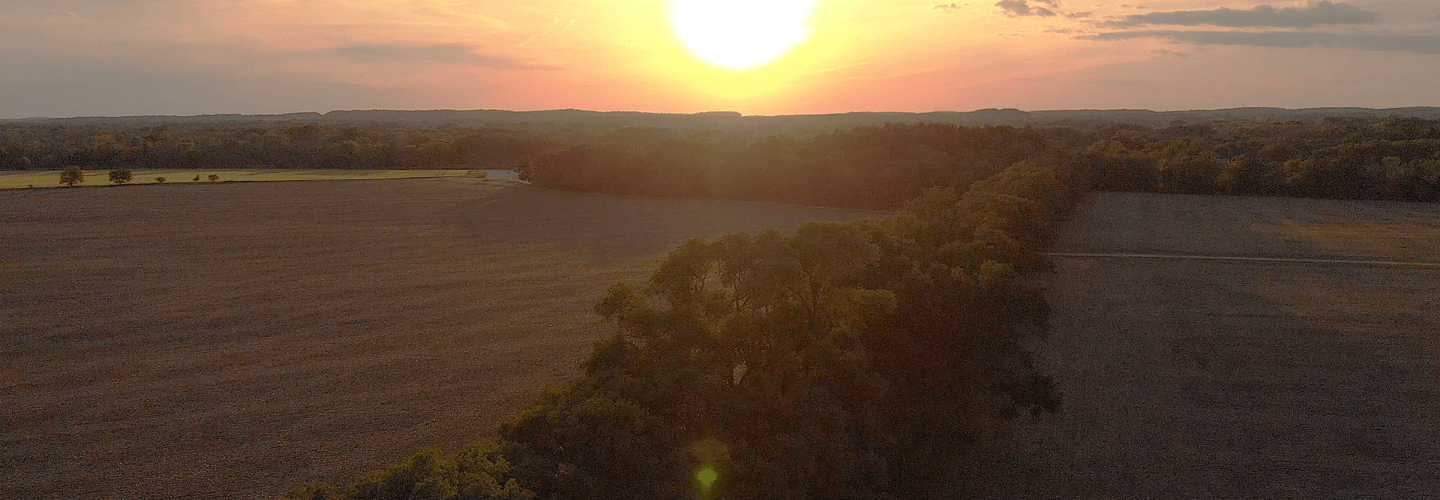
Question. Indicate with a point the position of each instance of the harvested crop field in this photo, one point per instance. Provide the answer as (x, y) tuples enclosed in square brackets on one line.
[(1234, 379), (233, 340)]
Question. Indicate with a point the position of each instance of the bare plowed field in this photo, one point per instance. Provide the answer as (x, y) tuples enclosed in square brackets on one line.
[(233, 340), (1225, 379)]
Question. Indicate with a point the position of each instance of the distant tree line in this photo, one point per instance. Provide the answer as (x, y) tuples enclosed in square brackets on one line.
[(265, 145), (875, 167), (869, 359), (1350, 158), (879, 167)]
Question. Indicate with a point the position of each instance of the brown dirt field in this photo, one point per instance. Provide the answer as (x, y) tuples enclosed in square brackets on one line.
[(1201, 379), (234, 340)]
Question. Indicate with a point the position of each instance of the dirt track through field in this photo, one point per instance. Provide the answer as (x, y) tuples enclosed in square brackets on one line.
[(232, 341), (1238, 378)]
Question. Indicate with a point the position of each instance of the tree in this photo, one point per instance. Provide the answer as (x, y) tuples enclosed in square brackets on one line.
[(476, 472), (750, 343), (121, 175), (213, 177), (160, 180), (824, 364), (72, 176)]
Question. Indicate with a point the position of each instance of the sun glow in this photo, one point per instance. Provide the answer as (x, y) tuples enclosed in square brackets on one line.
[(740, 34)]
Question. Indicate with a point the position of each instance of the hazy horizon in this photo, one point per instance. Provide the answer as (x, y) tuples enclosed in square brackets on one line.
[(713, 111), (87, 58)]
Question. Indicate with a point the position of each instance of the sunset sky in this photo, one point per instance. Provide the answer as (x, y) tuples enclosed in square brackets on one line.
[(61, 58)]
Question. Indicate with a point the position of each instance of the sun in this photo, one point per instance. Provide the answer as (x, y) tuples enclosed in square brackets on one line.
[(740, 34)]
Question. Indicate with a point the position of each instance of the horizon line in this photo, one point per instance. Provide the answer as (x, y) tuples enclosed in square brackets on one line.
[(718, 112)]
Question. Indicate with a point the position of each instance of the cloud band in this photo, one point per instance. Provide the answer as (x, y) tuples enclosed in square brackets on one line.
[(1413, 44), (1313, 14)]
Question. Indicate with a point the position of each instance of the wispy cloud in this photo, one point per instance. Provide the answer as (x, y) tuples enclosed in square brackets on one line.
[(444, 52), (1413, 44), (1312, 14), (1164, 52), (549, 30), (1022, 8)]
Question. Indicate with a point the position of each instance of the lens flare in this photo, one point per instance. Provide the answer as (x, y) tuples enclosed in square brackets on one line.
[(707, 477)]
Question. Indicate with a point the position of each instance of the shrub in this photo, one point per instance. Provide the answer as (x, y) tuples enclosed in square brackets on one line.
[(196, 179), (160, 180), (214, 177)]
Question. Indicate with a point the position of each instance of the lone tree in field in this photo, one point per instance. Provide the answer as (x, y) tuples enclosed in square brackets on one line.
[(72, 176), (214, 177), (120, 176)]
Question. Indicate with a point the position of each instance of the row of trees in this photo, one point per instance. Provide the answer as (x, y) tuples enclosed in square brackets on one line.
[(74, 175), (1391, 158), (119, 176), (869, 359), (282, 145)]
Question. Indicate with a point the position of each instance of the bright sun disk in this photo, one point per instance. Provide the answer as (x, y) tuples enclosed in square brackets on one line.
[(740, 34)]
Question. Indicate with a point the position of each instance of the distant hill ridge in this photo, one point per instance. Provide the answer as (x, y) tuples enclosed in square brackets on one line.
[(722, 119)]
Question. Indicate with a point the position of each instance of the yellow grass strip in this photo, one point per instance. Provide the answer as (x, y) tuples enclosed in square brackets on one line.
[(99, 177), (1409, 237)]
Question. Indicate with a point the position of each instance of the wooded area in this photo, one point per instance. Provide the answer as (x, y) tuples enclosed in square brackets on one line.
[(1348, 158), (875, 167)]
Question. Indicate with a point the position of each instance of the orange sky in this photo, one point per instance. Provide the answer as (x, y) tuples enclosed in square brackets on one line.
[(128, 57)]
